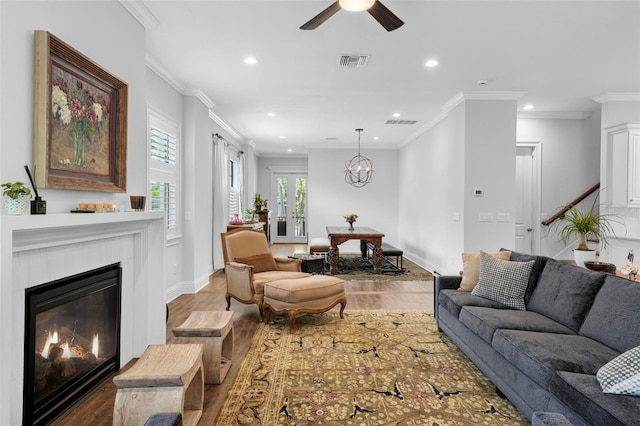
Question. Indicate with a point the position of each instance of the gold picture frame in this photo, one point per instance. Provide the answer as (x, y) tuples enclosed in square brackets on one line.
[(79, 120)]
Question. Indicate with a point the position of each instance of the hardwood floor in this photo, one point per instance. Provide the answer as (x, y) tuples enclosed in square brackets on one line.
[(361, 295)]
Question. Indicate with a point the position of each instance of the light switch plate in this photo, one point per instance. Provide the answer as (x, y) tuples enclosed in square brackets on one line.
[(485, 217)]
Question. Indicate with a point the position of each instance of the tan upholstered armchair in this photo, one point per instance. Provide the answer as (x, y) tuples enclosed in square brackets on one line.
[(249, 265)]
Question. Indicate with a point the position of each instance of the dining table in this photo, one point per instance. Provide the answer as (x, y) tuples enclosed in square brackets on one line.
[(340, 234)]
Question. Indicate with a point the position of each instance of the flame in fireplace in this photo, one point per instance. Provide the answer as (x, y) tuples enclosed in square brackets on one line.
[(95, 345), (66, 353), (45, 350), (51, 338)]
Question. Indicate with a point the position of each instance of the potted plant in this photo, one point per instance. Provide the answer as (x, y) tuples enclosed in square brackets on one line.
[(15, 197), (259, 203), (586, 224)]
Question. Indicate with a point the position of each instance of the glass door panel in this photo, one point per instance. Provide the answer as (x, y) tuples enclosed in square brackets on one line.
[(291, 206)]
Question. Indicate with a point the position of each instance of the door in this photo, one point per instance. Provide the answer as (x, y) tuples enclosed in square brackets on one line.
[(289, 224), (526, 199)]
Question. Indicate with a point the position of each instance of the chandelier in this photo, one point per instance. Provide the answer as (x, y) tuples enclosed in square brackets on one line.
[(359, 169)]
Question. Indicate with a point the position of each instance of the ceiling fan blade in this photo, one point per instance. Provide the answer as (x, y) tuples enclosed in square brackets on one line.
[(385, 17), (321, 17)]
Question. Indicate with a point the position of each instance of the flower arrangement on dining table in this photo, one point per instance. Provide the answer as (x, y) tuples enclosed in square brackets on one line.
[(351, 218)]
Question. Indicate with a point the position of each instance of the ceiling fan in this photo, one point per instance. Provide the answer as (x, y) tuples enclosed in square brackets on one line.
[(384, 16)]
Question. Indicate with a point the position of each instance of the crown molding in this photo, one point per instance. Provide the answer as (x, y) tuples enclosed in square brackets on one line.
[(154, 66), (555, 115), (139, 10), (618, 97), (220, 122), (456, 100), (201, 96)]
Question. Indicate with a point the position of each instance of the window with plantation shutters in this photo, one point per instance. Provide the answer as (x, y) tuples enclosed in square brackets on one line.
[(163, 146), (163, 197), (163, 169), (234, 189)]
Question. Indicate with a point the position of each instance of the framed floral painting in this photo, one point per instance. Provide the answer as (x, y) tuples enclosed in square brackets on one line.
[(80, 121)]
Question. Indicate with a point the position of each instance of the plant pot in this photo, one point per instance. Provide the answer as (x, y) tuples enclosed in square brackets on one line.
[(16, 206), (582, 256)]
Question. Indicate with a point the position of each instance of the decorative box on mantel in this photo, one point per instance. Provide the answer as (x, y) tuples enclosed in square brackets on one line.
[(37, 249)]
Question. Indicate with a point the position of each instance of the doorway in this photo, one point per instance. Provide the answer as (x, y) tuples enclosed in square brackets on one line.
[(290, 222), (527, 222)]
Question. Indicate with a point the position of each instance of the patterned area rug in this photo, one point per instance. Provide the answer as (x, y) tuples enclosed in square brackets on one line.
[(354, 267), (372, 368)]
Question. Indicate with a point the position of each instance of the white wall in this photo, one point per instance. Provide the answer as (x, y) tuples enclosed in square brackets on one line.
[(430, 193), (330, 197), (490, 165), (473, 146), (120, 52), (570, 166)]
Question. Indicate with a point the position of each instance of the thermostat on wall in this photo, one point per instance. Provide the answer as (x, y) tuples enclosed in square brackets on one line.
[(478, 192)]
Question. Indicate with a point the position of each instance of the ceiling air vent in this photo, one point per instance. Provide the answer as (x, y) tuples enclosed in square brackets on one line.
[(354, 61), (401, 122)]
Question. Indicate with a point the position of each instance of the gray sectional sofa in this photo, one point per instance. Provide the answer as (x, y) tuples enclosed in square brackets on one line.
[(545, 358)]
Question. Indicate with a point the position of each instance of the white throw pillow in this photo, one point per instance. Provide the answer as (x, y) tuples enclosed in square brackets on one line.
[(621, 375)]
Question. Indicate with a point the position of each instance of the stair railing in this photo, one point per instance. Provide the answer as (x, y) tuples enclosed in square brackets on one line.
[(571, 204)]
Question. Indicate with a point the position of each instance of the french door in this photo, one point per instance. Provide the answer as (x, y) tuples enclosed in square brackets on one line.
[(290, 222)]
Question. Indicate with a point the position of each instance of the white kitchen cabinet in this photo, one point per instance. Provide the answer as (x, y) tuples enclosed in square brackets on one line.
[(623, 149)]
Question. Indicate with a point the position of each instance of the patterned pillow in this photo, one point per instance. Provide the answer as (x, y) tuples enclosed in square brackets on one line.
[(503, 281), (621, 375)]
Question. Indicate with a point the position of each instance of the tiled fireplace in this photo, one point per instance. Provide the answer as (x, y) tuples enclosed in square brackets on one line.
[(42, 249)]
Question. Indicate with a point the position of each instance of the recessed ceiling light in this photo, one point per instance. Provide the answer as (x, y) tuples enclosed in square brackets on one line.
[(289, 150), (283, 137), (250, 60), (396, 114), (431, 63), (375, 138), (271, 114), (528, 107)]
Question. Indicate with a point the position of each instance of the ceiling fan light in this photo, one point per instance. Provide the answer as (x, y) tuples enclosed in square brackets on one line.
[(356, 5)]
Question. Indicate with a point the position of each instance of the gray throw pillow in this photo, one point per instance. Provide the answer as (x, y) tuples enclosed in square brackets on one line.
[(503, 281), (621, 375)]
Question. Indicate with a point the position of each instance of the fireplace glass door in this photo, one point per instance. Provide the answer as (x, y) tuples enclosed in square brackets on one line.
[(72, 341)]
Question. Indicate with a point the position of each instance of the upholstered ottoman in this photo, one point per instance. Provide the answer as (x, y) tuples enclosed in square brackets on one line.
[(310, 295)]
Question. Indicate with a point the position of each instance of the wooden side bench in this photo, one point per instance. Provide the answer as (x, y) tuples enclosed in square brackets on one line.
[(319, 246), (166, 378), (214, 330), (390, 251)]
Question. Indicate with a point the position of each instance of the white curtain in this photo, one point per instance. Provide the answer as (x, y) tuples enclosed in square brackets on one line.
[(241, 183), (220, 199)]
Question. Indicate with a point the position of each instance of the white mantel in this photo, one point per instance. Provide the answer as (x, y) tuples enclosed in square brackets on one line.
[(40, 248)]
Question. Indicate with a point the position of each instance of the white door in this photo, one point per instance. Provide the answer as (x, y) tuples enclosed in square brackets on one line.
[(289, 224), (526, 200)]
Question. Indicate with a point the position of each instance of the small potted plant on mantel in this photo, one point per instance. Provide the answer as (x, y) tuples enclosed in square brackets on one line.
[(589, 224), (15, 197)]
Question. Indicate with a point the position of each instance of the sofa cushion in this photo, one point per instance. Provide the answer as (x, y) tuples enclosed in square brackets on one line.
[(565, 293), (538, 266), (260, 279), (582, 394), (503, 281), (540, 355), (621, 375), (261, 262), (485, 321), (454, 300), (471, 268), (614, 318)]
